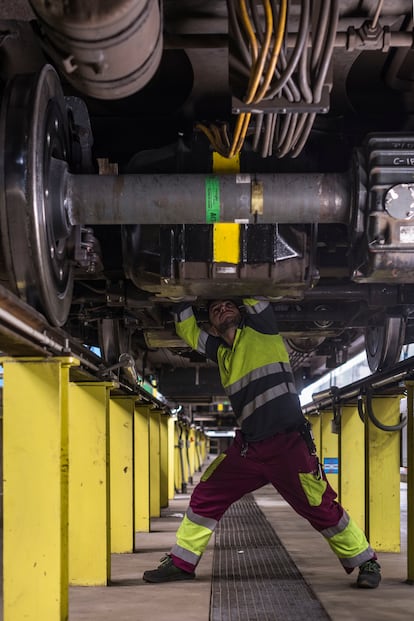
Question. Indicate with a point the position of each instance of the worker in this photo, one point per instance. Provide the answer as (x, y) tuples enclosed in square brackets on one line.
[(274, 443)]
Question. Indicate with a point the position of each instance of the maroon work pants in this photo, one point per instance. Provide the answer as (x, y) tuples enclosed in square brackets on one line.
[(277, 460)]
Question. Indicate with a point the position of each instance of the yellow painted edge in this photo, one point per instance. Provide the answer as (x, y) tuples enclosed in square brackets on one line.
[(226, 242), (225, 165)]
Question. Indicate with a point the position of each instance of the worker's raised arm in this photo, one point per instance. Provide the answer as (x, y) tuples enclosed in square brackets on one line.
[(187, 328), (260, 315)]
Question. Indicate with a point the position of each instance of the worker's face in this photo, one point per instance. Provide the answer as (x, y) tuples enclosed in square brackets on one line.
[(224, 314)]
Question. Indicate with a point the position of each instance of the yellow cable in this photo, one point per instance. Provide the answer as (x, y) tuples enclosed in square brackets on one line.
[(225, 135), (238, 139), (257, 72), (209, 135), (219, 138), (237, 132), (249, 30), (244, 119), (276, 51)]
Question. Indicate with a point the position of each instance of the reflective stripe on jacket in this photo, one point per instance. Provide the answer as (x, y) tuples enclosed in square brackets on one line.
[(255, 372)]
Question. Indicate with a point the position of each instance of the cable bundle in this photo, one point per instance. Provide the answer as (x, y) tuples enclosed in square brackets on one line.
[(269, 70)]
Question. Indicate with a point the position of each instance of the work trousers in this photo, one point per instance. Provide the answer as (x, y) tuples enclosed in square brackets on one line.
[(284, 461)]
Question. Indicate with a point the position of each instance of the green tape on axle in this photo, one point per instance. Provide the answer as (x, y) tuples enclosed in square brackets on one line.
[(212, 200)]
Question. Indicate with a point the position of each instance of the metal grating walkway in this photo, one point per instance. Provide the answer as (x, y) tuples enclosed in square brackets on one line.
[(254, 578)]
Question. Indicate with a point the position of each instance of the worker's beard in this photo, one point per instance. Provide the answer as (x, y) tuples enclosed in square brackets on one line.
[(231, 322)]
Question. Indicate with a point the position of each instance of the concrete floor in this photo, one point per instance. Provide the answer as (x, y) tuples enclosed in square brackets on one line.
[(131, 599)]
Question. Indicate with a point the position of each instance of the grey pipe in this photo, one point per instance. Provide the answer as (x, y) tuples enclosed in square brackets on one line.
[(197, 199)]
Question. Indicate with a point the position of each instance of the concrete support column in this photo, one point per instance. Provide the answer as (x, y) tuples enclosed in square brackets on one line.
[(35, 461), (352, 464), (121, 412), (142, 468), (89, 484), (155, 470), (382, 450)]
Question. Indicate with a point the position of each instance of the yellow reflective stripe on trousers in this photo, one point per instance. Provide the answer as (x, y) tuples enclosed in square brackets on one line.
[(350, 543), (192, 537)]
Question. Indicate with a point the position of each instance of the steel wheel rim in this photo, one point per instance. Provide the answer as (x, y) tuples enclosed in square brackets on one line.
[(35, 237)]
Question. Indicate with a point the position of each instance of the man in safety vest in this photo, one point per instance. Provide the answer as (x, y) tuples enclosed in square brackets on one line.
[(274, 443)]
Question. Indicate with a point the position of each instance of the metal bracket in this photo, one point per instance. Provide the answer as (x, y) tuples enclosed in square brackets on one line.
[(256, 206)]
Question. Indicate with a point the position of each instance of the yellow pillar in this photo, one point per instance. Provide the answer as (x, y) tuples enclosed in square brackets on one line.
[(410, 482), (89, 494), (197, 449), (121, 411), (204, 447), (35, 454), (164, 460), (141, 468), (178, 471), (186, 470), (352, 464), (155, 471), (383, 477), (171, 462), (329, 449), (191, 451)]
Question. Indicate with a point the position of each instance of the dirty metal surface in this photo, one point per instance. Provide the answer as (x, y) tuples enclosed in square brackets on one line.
[(254, 578)]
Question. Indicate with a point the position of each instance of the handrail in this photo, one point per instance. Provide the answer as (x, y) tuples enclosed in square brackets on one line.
[(324, 399)]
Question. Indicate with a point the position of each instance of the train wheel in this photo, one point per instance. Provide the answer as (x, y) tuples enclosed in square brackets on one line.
[(383, 342), (35, 233)]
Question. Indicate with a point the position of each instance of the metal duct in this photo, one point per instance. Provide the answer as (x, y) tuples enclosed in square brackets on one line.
[(106, 49)]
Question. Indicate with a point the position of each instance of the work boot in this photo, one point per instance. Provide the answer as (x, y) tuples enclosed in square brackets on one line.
[(167, 572), (369, 575)]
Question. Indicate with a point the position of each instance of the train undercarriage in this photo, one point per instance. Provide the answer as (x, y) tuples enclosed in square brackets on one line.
[(158, 151)]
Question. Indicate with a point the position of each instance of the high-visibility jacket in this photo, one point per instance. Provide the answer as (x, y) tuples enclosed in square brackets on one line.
[(255, 371)]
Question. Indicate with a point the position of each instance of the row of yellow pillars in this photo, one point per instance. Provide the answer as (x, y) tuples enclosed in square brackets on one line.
[(84, 469), (362, 463)]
